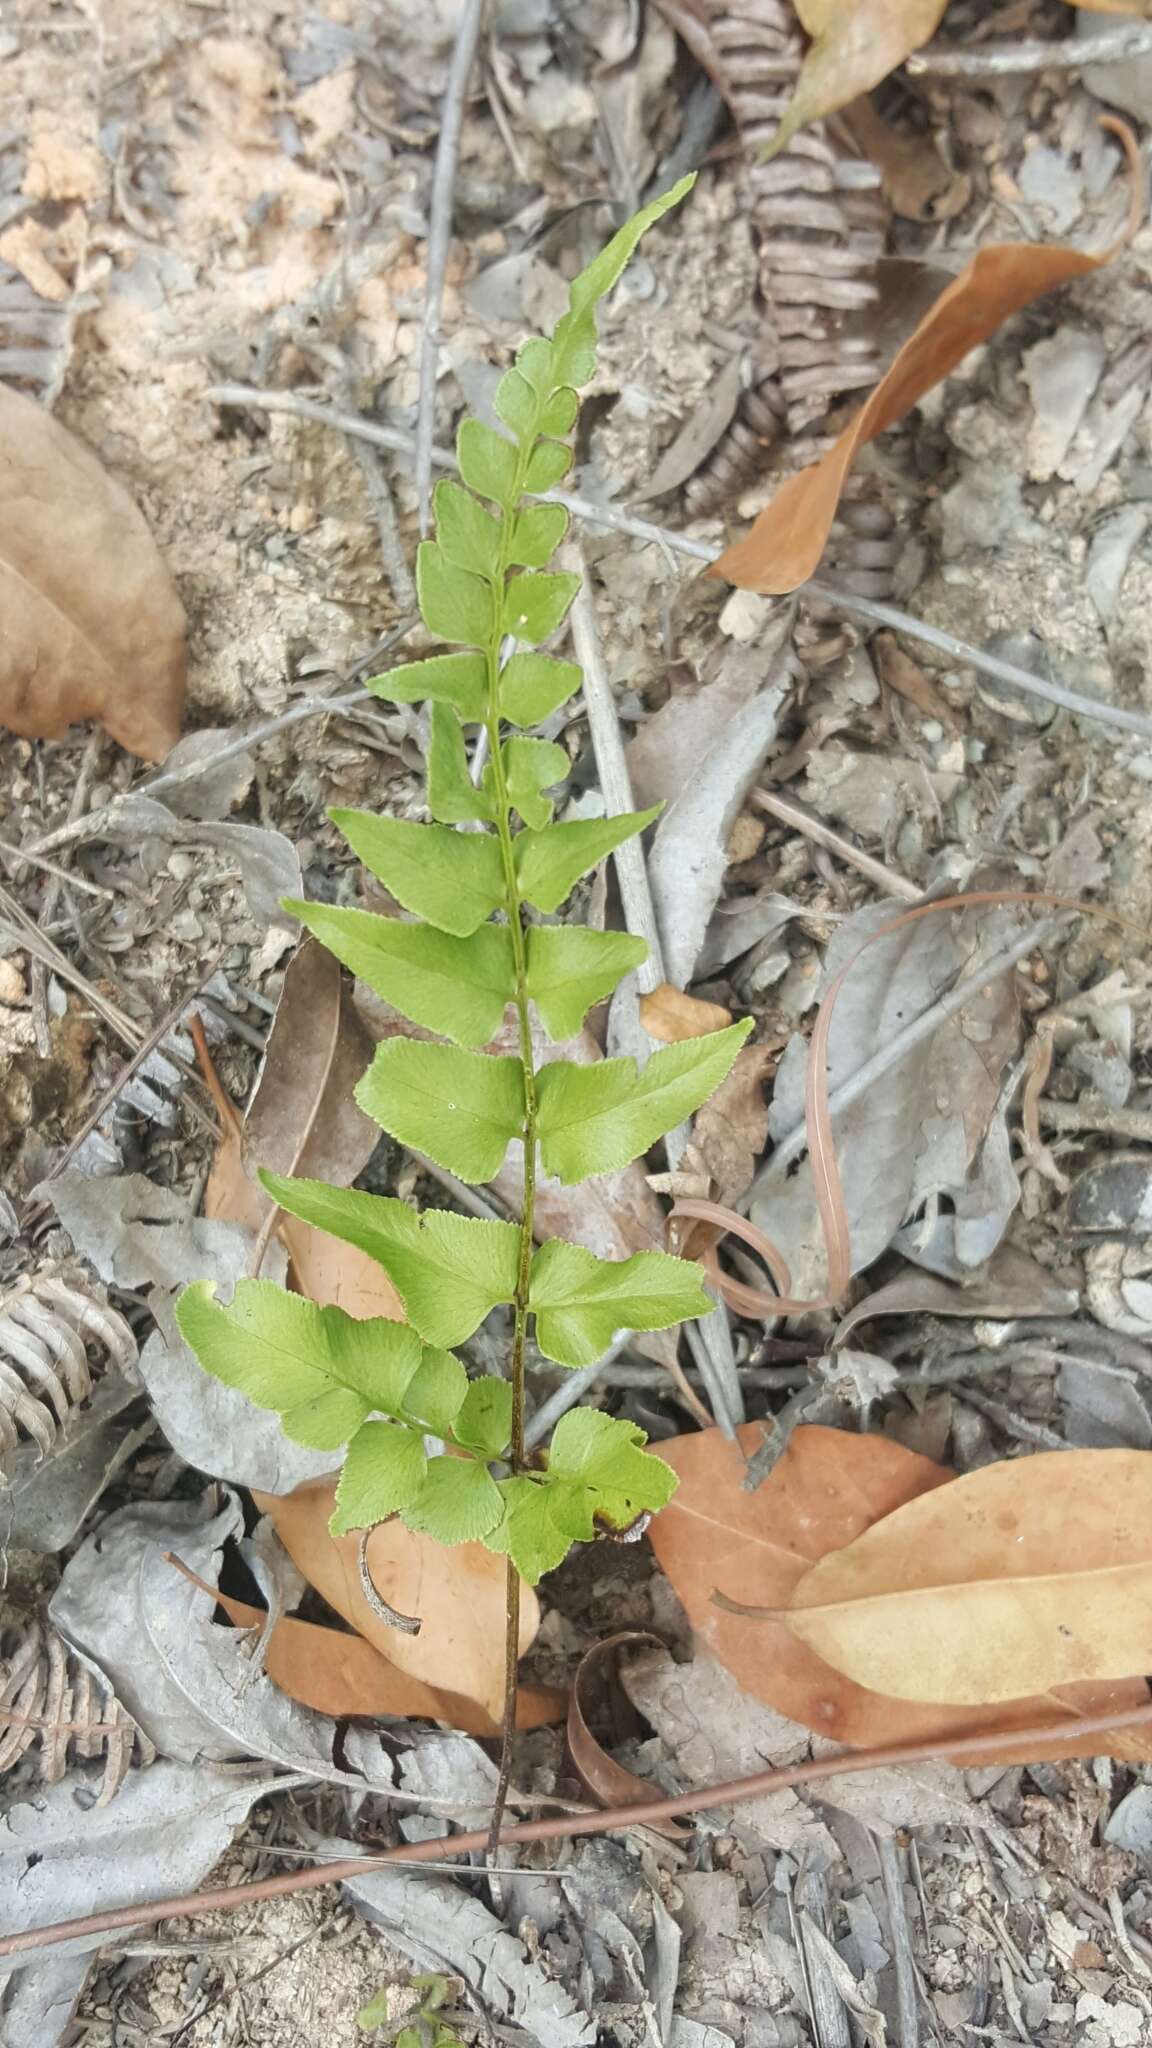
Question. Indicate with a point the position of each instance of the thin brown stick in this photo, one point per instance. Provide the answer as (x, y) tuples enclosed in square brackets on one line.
[(735, 1792)]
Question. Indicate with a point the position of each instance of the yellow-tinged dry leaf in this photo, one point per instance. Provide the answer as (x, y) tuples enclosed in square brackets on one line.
[(827, 1491), (457, 1592), (1027, 1575), (855, 43), (93, 627), (670, 1015)]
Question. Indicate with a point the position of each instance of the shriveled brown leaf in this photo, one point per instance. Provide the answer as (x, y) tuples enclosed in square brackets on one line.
[(340, 1675), (303, 1117), (607, 1781), (731, 1130), (785, 544), (855, 43), (827, 1490), (457, 1593), (93, 626), (918, 184), (907, 678), (670, 1015), (1029, 1575)]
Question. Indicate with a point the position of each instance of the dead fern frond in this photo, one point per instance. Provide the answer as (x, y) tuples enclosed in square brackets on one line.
[(56, 1336), (48, 1697)]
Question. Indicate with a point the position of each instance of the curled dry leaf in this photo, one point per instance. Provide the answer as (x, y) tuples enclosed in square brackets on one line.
[(786, 542), (1028, 1575), (917, 183), (607, 1781), (93, 627), (855, 43), (827, 1490), (670, 1015), (458, 1594)]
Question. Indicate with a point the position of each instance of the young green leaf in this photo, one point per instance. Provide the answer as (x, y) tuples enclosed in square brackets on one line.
[(574, 341), (580, 1301), (620, 1480), (517, 404), (535, 605), (453, 604), (570, 968), (595, 1119), (458, 1502), (457, 679), (548, 463), (487, 462), (382, 1473), (541, 1522), (532, 686), (454, 879), (468, 535), (484, 1423), (462, 1108), (457, 987), (550, 863), (436, 1392), (453, 797), (537, 532), (450, 1271), (322, 1371), (531, 767)]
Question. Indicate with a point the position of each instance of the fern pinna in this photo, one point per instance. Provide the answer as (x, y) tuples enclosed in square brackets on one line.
[(422, 1441)]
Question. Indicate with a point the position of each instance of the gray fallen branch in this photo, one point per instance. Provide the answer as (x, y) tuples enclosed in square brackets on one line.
[(606, 517), (439, 234), (1110, 46)]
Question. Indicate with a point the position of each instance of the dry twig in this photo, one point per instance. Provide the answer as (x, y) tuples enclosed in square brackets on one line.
[(1110, 46), (439, 232)]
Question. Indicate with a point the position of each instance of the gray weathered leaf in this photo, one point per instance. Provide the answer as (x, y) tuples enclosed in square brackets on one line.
[(184, 1678), (689, 855), (1011, 1284), (138, 1235), (48, 1494), (267, 862), (60, 1858), (439, 1927)]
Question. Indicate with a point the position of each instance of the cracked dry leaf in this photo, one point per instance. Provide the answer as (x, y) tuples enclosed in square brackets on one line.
[(785, 544), (828, 1490), (93, 627), (1031, 1574)]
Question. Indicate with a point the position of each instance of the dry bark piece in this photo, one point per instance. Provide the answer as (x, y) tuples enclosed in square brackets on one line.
[(93, 626), (1030, 1574), (458, 1593), (784, 546), (827, 1490), (49, 1698), (47, 1323)]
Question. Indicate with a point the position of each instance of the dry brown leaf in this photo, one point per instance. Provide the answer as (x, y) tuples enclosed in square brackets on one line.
[(457, 1593), (785, 544), (855, 43), (93, 627), (670, 1015), (900, 673), (339, 1675), (601, 1776), (1028, 1575), (918, 184), (828, 1489), (731, 1130)]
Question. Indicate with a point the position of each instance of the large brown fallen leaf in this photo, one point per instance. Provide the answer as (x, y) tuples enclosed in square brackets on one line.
[(828, 1489), (1028, 1575), (786, 542), (457, 1593), (341, 1675), (855, 43), (93, 627)]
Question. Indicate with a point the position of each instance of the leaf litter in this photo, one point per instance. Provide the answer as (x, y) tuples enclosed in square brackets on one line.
[(963, 1281)]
